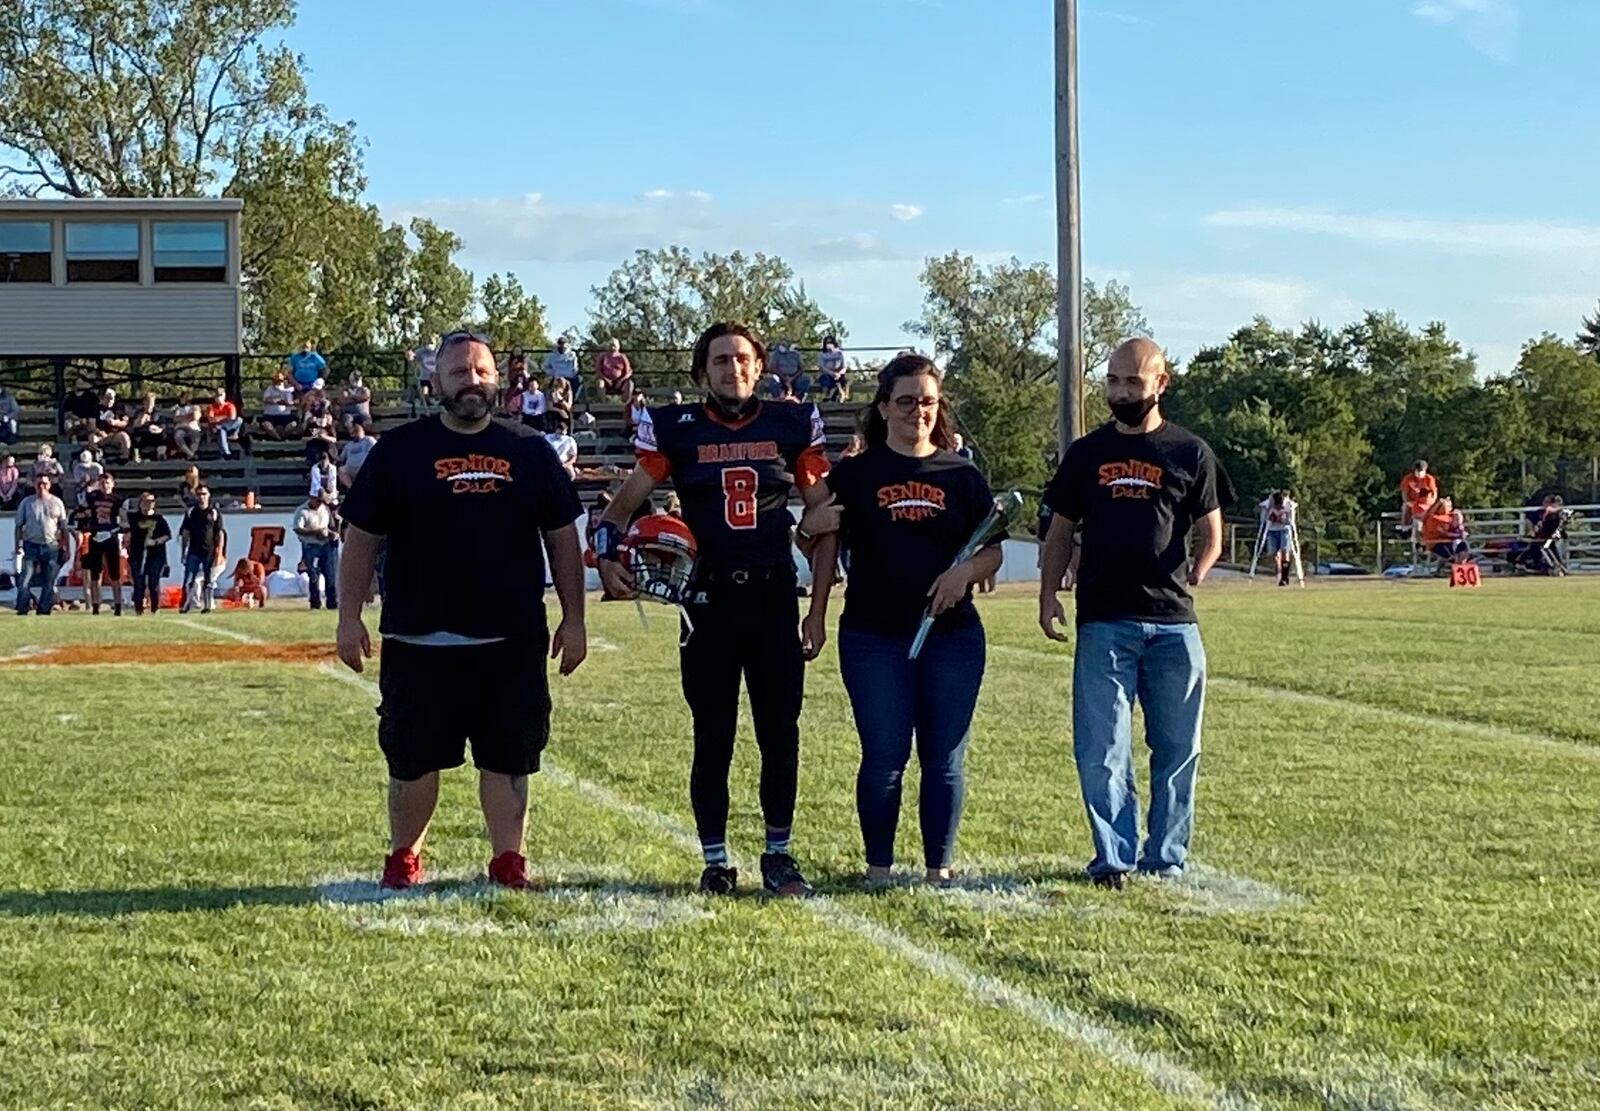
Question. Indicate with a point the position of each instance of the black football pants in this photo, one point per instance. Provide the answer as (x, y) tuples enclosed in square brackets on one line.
[(754, 630)]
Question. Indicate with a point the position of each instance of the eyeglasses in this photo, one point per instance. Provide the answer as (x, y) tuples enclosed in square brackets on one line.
[(909, 404)]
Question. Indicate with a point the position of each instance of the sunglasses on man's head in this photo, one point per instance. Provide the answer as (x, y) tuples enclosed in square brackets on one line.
[(462, 335)]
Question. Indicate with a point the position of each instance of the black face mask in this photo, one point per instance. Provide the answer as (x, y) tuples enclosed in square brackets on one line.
[(1132, 413)]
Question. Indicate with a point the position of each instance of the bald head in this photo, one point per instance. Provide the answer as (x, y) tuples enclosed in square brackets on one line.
[(1135, 356), (1135, 379)]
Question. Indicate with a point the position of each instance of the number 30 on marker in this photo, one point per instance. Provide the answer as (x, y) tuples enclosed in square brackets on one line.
[(1465, 574)]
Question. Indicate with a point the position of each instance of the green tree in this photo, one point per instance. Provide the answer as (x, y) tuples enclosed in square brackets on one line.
[(510, 315), (1589, 336), (441, 291)]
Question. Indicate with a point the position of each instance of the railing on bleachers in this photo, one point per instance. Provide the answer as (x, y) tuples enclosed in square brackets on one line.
[(1492, 534)]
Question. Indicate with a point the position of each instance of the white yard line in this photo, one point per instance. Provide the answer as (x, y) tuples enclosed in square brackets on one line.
[(1163, 1073), (1480, 730), (217, 630)]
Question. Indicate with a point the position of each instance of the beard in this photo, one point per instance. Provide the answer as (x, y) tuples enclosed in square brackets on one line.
[(469, 405), (1132, 413)]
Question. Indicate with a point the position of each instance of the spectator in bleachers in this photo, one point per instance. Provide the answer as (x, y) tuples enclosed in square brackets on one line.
[(561, 365), (514, 365), (86, 472), (10, 482), (422, 362), (249, 584), (320, 432), (200, 540), (354, 454), (788, 372), (148, 533), (1419, 490), (187, 432), (222, 417), (1444, 531), (46, 465), (146, 431), (42, 544), (532, 405), (82, 410), (565, 447), (356, 404), (961, 447), (189, 487), (110, 429), (319, 549), (559, 398), (614, 374), (635, 411), (307, 365), (325, 480), (10, 415), (832, 379), (277, 408)]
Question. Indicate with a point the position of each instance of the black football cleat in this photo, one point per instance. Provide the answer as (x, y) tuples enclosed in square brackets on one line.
[(782, 877), (1113, 881), (719, 879)]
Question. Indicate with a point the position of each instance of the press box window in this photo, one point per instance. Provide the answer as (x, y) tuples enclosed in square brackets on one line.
[(102, 252), (190, 251), (24, 252)]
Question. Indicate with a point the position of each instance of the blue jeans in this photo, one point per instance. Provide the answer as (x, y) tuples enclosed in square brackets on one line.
[(45, 560), (226, 428), (893, 698), (1164, 666), (322, 560), (197, 565)]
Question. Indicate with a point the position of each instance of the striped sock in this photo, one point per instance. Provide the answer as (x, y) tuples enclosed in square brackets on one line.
[(778, 840), (715, 853)]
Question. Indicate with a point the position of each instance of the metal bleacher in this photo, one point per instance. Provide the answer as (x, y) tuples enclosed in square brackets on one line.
[(277, 472), (1492, 534)]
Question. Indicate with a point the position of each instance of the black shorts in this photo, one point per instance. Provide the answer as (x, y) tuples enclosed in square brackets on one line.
[(436, 698), (281, 420), (104, 557)]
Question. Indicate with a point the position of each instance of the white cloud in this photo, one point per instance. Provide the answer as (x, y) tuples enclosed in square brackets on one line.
[(1026, 198), (1504, 237), (905, 213), (516, 231), (1547, 306), (1489, 26), (698, 195), (657, 194)]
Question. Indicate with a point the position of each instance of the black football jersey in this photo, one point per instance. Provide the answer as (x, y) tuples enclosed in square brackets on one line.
[(733, 479), (104, 513)]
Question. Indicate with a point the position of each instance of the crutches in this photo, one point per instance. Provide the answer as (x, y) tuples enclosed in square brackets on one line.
[(1294, 551), (1261, 540)]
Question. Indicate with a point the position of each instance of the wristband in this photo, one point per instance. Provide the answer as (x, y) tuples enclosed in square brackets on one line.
[(607, 541)]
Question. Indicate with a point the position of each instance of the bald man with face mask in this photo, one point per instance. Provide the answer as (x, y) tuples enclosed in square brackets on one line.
[(1135, 488)]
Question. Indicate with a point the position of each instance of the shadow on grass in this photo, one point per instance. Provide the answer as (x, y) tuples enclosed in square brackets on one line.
[(149, 900)]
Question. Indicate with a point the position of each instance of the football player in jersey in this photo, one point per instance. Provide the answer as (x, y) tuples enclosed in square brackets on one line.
[(732, 460), (102, 509)]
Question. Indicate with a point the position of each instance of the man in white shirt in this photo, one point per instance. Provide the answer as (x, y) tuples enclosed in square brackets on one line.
[(566, 448), (319, 548), (277, 418), (325, 480), (355, 453), (563, 363), (1277, 531)]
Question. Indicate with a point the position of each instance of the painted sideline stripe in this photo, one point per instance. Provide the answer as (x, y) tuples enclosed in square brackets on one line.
[(1164, 1074), (1332, 702), (217, 630)]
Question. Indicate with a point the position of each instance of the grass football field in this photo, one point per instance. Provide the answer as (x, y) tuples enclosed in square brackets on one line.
[(1395, 901)]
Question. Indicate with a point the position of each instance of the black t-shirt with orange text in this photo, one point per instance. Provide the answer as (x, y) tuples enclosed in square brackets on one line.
[(1136, 496), (464, 515), (904, 520)]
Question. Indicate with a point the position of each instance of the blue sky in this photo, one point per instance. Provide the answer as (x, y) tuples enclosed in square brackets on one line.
[(1298, 158)]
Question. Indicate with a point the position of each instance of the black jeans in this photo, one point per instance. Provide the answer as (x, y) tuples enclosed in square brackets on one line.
[(751, 629), (146, 569)]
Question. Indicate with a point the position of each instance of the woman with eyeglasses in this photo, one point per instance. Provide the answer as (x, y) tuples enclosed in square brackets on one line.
[(902, 509)]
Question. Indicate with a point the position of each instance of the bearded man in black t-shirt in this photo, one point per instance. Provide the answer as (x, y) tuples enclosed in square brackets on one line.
[(466, 507), (1135, 487)]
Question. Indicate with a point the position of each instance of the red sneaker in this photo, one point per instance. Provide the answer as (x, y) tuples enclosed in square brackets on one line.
[(401, 869), (509, 870)]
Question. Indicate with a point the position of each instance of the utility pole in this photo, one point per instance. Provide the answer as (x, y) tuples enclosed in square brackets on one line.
[(1069, 241)]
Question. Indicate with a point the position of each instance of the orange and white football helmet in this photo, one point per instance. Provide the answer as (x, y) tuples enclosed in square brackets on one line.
[(662, 553)]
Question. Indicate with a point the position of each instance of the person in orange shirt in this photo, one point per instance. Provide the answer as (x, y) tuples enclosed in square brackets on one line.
[(222, 416), (1419, 490), (249, 583), (1444, 531)]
